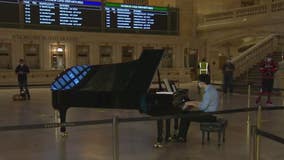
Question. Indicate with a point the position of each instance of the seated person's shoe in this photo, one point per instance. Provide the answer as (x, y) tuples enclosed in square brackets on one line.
[(174, 137), (168, 139), (158, 145)]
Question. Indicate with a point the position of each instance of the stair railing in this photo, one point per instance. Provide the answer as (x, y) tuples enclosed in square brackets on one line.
[(255, 54)]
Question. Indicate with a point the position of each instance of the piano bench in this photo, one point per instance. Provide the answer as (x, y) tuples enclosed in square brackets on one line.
[(218, 126)]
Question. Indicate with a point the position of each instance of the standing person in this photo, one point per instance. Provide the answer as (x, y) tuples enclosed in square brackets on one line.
[(267, 68), (203, 71), (228, 73), (209, 103), (22, 70)]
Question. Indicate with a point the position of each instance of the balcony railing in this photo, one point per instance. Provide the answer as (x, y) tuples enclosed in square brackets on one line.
[(243, 12)]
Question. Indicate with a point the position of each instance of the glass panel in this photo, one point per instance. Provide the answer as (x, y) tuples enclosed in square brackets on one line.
[(66, 78), (80, 68), (71, 84), (167, 60), (5, 56), (67, 87), (127, 53), (62, 81), (74, 70), (191, 58), (105, 54), (56, 85), (84, 73), (76, 81), (70, 74), (82, 52), (31, 52), (58, 56)]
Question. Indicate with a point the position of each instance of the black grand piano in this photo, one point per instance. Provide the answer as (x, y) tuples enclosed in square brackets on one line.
[(119, 86)]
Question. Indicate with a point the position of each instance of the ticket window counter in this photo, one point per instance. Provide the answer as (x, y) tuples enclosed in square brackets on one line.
[(106, 54), (83, 54), (5, 56), (57, 56), (167, 60), (127, 54), (31, 52)]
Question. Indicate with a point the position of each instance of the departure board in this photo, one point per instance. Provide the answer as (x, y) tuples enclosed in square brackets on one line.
[(9, 11), (133, 17), (72, 13), (88, 15)]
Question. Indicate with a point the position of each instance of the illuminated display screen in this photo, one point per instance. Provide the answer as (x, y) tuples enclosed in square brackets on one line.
[(88, 15), (73, 13), (70, 78), (9, 11), (125, 16)]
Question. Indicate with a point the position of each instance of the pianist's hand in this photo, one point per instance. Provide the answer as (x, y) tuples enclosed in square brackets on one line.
[(190, 104)]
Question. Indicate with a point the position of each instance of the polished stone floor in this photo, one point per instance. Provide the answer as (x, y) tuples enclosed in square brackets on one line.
[(136, 138)]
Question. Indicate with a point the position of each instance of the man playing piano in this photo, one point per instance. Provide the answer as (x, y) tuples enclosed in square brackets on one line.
[(209, 103)]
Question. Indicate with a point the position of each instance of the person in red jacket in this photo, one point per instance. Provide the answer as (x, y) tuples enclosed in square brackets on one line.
[(267, 68)]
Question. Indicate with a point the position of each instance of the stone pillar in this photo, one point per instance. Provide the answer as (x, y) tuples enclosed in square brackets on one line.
[(116, 53), (95, 53), (187, 18), (17, 51), (227, 46), (46, 55), (187, 28), (70, 48)]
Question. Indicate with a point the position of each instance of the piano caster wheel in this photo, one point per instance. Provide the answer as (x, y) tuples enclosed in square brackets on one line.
[(158, 145), (64, 134)]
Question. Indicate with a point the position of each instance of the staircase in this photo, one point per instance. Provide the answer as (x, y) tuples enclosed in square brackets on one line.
[(247, 63), (253, 75)]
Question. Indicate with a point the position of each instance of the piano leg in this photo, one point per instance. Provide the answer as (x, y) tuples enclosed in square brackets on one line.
[(168, 130), (62, 112), (158, 144), (160, 131), (176, 122)]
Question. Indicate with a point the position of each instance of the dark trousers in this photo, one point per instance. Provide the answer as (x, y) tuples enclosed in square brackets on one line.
[(266, 89), (197, 116), (23, 85), (160, 127), (267, 85), (228, 83)]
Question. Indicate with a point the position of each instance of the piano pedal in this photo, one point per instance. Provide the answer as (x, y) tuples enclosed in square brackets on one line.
[(169, 139), (174, 137), (64, 134), (158, 145)]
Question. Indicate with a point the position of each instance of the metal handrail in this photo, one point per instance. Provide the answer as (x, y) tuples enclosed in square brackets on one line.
[(125, 120), (255, 141)]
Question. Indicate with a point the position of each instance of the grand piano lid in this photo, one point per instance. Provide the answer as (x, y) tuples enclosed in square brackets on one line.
[(133, 76), (70, 77)]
